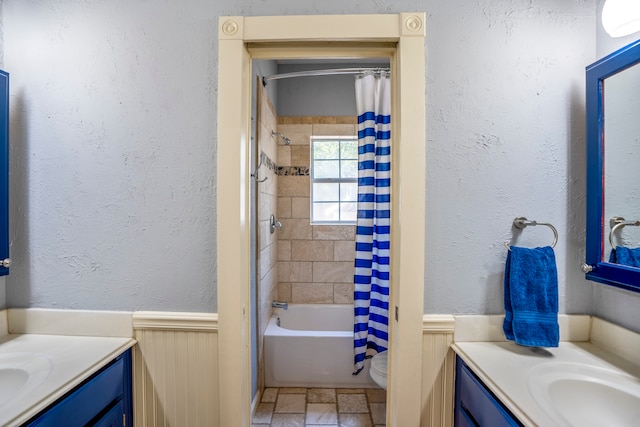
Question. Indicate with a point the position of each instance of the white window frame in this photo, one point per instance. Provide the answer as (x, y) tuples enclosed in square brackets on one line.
[(338, 180)]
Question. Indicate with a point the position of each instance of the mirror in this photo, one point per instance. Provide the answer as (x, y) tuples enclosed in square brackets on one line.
[(613, 153)]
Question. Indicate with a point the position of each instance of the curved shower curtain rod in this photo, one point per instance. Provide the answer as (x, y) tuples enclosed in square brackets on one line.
[(328, 72)]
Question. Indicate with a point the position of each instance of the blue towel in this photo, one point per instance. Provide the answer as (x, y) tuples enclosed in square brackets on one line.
[(625, 256), (531, 297)]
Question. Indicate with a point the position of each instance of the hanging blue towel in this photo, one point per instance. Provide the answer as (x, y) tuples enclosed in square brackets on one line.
[(625, 256), (531, 297)]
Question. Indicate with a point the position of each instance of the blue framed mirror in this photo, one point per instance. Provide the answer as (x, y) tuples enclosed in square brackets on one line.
[(613, 169)]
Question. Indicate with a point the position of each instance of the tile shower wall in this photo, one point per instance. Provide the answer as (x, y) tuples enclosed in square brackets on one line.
[(267, 262), (315, 262)]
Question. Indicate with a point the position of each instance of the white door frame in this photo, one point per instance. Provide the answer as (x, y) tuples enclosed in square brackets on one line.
[(241, 39)]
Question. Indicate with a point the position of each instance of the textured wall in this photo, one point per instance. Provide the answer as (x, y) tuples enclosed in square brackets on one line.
[(114, 125), (113, 154), (505, 129)]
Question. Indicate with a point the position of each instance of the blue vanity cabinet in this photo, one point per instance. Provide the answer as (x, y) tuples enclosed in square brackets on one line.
[(4, 173), (475, 405), (102, 400)]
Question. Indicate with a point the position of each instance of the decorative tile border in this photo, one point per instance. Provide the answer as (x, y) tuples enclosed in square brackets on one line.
[(266, 161), (293, 171)]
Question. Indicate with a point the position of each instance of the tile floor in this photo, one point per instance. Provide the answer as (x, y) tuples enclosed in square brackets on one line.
[(321, 407)]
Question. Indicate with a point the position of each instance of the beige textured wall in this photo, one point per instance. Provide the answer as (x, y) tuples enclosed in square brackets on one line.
[(315, 262)]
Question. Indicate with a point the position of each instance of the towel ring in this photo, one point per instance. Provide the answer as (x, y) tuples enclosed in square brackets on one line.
[(522, 222), (619, 223)]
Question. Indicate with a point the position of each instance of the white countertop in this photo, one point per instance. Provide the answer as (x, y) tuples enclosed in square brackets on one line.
[(504, 368), (72, 360)]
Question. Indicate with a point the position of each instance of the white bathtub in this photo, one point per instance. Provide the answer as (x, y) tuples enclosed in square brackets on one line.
[(311, 345)]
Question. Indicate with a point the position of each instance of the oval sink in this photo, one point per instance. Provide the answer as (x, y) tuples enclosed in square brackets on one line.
[(20, 373), (584, 395)]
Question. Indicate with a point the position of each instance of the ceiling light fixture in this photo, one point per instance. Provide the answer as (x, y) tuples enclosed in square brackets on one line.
[(621, 17)]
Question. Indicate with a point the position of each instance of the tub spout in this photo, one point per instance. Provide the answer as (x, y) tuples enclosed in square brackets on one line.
[(279, 304)]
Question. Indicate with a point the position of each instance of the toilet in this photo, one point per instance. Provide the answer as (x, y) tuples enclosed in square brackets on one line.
[(378, 369)]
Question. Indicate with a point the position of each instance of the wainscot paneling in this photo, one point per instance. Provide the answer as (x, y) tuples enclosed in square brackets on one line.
[(438, 362), (176, 369)]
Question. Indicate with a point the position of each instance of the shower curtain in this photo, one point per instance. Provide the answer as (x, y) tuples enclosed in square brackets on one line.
[(371, 279)]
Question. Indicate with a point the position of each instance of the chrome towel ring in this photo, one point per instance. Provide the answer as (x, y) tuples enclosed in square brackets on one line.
[(619, 223), (522, 222)]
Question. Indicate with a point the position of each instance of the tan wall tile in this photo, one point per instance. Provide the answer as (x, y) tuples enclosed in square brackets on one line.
[(284, 250), (293, 186), (266, 205), (284, 155), (265, 260), (270, 184), (268, 286), (295, 229), (327, 120), (300, 207), (284, 207), (299, 134), (274, 254), (265, 238), (306, 252), (289, 271), (334, 130), (284, 292), (334, 232), (267, 291), (343, 293), (333, 272), (312, 293), (344, 250), (300, 155), (291, 120), (311, 250)]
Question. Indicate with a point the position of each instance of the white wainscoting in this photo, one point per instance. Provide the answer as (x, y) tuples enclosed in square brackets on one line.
[(438, 366), (175, 379)]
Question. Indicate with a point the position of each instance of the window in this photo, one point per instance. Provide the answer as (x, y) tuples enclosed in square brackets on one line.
[(334, 179)]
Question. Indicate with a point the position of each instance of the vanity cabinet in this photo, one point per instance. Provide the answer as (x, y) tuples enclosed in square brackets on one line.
[(102, 400), (475, 405)]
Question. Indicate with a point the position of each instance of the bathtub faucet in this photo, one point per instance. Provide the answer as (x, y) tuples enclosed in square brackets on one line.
[(279, 304)]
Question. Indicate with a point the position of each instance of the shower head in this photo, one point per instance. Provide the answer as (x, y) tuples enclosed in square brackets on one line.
[(286, 140)]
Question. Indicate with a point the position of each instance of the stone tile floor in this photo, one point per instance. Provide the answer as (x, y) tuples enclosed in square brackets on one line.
[(321, 407)]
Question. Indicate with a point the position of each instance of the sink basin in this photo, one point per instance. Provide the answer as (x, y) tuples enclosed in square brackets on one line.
[(584, 395), (20, 373)]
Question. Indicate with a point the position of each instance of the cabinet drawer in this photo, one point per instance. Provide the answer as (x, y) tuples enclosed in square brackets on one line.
[(87, 401), (479, 403)]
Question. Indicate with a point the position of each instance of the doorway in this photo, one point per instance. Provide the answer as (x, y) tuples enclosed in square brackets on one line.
[(398, 37)]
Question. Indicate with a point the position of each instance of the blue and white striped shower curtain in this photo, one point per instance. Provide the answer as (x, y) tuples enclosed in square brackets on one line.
[(371, 293)]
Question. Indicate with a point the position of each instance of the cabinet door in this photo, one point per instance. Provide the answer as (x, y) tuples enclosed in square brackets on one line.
[(476, 405), (104, 400), (113, 418), (4, 173)]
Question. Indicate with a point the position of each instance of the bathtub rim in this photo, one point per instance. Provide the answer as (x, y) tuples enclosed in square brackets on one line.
[(273, 329)]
